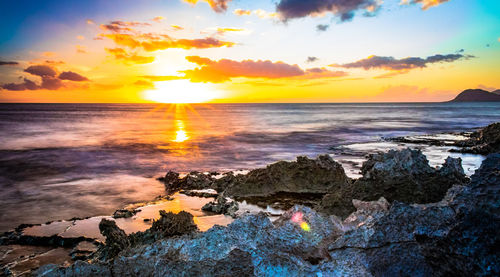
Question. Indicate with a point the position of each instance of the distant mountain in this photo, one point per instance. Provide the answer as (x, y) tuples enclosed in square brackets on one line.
[(477, 95)]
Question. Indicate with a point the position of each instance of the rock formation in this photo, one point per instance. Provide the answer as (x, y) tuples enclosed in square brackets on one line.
[(403, 175), (485, 141), (455, 236)]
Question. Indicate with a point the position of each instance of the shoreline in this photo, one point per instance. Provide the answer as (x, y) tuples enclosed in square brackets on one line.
[(98, 244)]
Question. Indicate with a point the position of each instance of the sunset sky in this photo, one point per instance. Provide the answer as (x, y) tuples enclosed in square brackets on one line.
[(247, 51)]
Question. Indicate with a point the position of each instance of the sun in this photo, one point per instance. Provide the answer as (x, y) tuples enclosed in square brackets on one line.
[(180, 92)]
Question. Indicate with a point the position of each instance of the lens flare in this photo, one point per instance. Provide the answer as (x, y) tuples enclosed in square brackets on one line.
[(305, 226), (298, 218)]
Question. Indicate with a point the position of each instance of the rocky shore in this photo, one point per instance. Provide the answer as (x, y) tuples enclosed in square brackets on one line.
[(402, 217)]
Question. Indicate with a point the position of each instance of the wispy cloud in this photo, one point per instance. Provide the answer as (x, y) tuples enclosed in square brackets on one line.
[(425, 3), (8, 63), (259, 12), (404, 64), (216, 5), (129, 58), (158, 19)]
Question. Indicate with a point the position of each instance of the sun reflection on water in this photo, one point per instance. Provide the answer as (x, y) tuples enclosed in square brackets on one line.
[(180, 132)]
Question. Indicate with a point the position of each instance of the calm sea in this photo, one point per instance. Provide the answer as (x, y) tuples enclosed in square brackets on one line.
[(58, 161)]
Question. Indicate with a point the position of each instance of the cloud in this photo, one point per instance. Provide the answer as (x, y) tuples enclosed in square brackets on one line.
[(121, 54), (259, 12), (8, 63), (216, 5), (51, 83), (222, 31), (345, 9), (72, 76), (80, 37), (41, 70), (158, 19), (240, 12), (90, 22), (311, 59), (224, 70), (49, 79), (425, 3), (144, 84), (177, 27), (322, 27), (265, 14), (152, 42), (391, 63), (119, 26), (26, 85)]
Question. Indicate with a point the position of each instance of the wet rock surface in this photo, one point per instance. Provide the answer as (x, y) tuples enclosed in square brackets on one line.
[(168, 225), (222, 205), (403, 175), (484, 141), (457, 236)]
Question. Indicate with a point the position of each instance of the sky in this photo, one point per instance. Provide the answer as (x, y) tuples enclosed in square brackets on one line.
[(189, 51)]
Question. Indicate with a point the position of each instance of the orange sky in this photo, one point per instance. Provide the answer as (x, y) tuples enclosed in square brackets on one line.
[(226, 51)]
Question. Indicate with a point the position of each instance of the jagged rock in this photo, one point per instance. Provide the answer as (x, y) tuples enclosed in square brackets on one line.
[(457, 236), (403, 175), (116, 239), (170, 224), (222, 205), (192, 181), (484, 141), (124, 213), (83, 251), (302, 176)]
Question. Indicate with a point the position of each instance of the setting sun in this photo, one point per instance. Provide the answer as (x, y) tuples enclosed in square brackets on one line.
[(181, 91)]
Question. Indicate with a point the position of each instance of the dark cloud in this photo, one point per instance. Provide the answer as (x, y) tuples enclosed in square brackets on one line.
[(8, 63), (72, 76), (311, 59), (344, 9), (26, 85), (41, 70), (391, 63), (51, 83), (322, 27), (48, 76)]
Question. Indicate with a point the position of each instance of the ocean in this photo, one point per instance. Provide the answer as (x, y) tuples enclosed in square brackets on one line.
[(59, 161)]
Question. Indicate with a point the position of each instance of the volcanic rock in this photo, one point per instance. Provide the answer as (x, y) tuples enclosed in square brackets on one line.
[(222, 205), (305, 175), (484, 141), (403, 175), (457, 236)]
